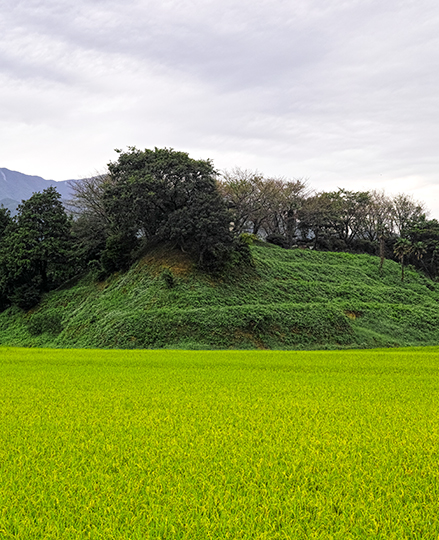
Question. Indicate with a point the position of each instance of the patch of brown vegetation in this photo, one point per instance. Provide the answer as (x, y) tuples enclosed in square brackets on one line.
[(164, 256), (352, 314)]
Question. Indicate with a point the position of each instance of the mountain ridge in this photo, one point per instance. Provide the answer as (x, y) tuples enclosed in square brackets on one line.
[(16, 187)]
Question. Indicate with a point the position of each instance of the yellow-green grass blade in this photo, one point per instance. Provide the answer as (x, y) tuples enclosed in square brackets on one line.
[(215, 444)]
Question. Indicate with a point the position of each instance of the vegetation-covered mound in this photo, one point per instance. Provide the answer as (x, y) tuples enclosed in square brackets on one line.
[(290, 299)]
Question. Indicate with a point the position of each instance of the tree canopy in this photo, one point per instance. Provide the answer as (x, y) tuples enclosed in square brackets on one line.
[(35, 248), (164, 196)]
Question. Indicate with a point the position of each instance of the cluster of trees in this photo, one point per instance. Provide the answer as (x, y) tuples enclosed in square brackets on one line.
[(146, 197), (288, 213), (162, 195), (263, 206), (327, 220)]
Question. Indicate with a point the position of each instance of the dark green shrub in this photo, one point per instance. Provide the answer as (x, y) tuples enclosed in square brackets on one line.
[(50, 322), (26, 296), (168, 278), (118, 252), (278, 240)]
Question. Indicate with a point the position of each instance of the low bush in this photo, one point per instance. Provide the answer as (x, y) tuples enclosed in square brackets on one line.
[(45, 321), (168, 278), (278, 240)]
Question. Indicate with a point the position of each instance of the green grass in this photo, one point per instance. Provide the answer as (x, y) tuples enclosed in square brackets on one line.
[(217, 444), (292, 299)]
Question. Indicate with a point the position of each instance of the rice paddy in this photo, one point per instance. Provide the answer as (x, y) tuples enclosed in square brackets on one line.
[(219, 444)]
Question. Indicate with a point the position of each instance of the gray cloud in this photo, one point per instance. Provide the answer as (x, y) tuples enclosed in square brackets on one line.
[(341, 91)]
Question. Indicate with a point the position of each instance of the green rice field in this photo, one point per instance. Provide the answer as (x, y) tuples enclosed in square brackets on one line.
[(108, 444)]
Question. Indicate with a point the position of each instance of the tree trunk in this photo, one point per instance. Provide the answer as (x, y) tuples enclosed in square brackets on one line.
[(43, 274), (382, 254)]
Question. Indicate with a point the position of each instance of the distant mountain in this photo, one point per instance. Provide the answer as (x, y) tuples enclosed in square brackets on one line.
[(10, 204), (16, 186)]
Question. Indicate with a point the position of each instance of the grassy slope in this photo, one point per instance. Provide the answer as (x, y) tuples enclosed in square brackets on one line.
[(293, 299)]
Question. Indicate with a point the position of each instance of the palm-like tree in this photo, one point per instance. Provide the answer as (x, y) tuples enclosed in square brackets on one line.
[(403, 247), (418, 250)]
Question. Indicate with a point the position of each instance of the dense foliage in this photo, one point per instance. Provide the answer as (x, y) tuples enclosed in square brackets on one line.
[(155, 196), (297, 299), (162, 196), (147, 197), (35, 248)]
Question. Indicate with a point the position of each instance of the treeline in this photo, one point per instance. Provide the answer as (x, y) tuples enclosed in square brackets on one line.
[(336, 220), (161, 195), (147, 197), (289, 214)]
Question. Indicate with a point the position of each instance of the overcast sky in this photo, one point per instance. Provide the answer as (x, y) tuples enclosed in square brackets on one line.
[(342, 92)]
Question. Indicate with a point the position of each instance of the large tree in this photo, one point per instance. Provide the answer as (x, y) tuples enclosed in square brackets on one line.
[(165, 195), (36, 248), (405, 211)]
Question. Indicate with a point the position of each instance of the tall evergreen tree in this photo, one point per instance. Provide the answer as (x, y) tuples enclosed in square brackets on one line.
[(36, 248)]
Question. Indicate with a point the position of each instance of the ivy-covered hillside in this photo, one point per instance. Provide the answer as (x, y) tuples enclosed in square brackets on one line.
[(295, 299)]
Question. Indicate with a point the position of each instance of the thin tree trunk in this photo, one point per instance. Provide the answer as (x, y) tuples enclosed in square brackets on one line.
[(382, 254)]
